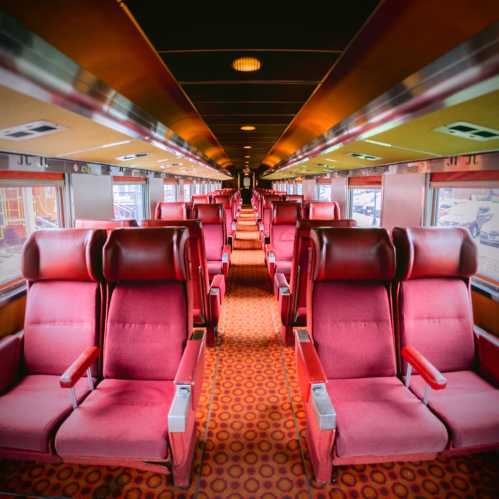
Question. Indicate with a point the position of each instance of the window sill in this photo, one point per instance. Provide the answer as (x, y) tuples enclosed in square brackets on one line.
[(485, 288), (11, 292)]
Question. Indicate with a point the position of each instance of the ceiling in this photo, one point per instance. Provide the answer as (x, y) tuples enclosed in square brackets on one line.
[(295, 59)]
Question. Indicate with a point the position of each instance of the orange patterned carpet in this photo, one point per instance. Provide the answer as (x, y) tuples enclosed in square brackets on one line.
[(251, 429)]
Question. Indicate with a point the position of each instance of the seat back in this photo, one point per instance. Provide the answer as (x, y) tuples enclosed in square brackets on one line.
[(295, 198), (85, 223), (300, 270), (283, 229), (149, 316), (224, 200), (267, 212), (200, 199), (196, 266), (171, 211), (433, 300), (349, 306), (63, 310), (323, 210), (213, 223)]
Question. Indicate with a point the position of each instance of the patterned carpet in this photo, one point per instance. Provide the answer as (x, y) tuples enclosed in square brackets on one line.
[(251, 429)]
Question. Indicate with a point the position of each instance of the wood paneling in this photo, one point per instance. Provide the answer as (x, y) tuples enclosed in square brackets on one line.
[(12, 315), (486, 312)]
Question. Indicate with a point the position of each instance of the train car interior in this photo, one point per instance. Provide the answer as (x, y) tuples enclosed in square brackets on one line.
[(249, 260)]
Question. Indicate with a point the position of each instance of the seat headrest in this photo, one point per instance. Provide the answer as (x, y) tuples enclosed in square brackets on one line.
[(171, 211), (306, 226), (194, 226), (145, 254), (297, 198), (200, 199), (64, 255), (353, 254), (209, 213), (434, 252), (284, 213), (323, 210), (271, 199), (104, 224)]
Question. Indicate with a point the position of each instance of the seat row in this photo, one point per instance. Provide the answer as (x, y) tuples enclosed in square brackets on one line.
[(379, 308), (108, 369)]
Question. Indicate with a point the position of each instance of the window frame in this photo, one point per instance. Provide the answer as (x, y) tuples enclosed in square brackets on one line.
[(131, 180), (371, 186)]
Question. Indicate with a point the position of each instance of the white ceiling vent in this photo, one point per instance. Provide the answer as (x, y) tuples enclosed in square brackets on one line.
[(30, 130), (469, 131), (130, 157), (361, 155)]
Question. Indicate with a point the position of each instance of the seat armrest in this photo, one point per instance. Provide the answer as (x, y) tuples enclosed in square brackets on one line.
[(281, 284), (10, 359), (424, 367), (76, 370), (488, 355), (323, 408), (188, 381), (217, 286), (226, 259)]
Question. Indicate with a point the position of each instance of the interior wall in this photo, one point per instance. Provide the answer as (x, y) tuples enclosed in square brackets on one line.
[(156, 193), (92, 196), (308, 189), (403, 200), (339, 193), (12, 315)]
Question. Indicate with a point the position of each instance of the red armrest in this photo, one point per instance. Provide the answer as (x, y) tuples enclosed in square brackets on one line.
[(76, 370), (283, 293), (308, 364), (226, 259), (218, 282), (191, 360), (10, 359), (424, 367), (488, 354)]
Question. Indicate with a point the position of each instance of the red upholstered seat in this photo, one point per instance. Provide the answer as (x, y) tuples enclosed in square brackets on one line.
[(82, 223), (171, 211), (63, 269), (292, 294), (267, 215), (147, 356), (435, 317), (279, 252), (323, 210), (200, 199), (348, 358), (212, 218), (225, 201)]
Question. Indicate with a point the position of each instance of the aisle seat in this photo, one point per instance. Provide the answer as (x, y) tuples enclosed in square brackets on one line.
[(322, 210), (435, 328), (142, 414), (63, 268), (171, 211), (86, 223)]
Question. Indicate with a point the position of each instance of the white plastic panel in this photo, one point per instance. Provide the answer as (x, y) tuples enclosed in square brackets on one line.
[(92, 196)]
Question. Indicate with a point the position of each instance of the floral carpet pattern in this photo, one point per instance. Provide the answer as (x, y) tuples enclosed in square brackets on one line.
[(252, 429)]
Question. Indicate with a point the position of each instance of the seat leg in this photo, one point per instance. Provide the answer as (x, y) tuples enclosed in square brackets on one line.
[(287, 335), (211, 336)]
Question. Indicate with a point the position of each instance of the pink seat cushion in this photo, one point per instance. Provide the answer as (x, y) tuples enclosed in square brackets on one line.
[(214, 241), (469, 406), (347, 315), (283, 240), (381, 417), (436, 318), (31, 411), (146, 331), (214, 267), (61, 313), (120, 419)]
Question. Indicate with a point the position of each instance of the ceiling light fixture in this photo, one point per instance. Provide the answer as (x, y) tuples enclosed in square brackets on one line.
[(246, 147), (247, 157), (248, 128), (246, 64)]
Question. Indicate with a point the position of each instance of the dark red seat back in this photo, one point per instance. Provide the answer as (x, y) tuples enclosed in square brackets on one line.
[(149, 314), (349, 306), (283, 229), (224, 200), (63, 311), (433, 300), (323, 210), (267, 212), (171, 211), (200, 199), (84, 223), (295, 198), (212, 217)]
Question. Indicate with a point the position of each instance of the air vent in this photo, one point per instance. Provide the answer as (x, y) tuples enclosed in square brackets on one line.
[(30, 130), (130, 157), (366, 157), (469, 131)]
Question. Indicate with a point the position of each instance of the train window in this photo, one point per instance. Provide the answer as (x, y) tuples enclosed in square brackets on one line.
[(187, 192), (299, 188), (477, 209), (365, 206), (24, 209), (170, 192), (323, 192), (128, 200)]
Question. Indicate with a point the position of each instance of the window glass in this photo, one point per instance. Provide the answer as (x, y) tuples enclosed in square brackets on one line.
[(290, 188), (170, 192), (22, 211), (299, 188), (478, 210), (366, 206), (128, 201), (187, 192), (324, 192)]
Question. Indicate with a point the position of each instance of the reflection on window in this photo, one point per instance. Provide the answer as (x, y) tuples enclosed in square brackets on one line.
[(22, 211), (299, 189), (128, 201), (324, 192), (477, 210), (187, 192), (169, 193), (366, 207)]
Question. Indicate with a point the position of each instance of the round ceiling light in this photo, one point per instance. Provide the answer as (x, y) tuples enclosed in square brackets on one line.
[(246, 64), (247, 157), (248, 128), (246, 147)]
